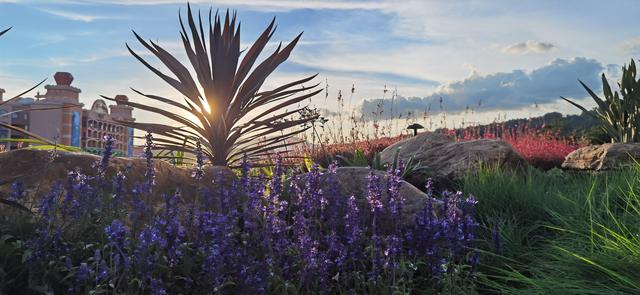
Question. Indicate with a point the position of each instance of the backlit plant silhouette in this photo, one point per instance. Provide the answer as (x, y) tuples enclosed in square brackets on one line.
[(618, 113), (233, 116)]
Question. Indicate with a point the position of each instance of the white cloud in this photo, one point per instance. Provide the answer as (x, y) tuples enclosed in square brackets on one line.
[(529, 47), (75, 16), (268, 5), (92, 58)]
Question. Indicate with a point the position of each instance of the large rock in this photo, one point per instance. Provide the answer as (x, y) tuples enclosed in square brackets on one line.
[(352, 181), (448, 159), (38, 171), (603, 157)]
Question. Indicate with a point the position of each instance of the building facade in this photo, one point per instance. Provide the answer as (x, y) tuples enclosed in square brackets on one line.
[(70, 124)]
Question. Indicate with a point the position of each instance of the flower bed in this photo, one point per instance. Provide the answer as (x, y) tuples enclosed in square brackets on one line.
[(93, 234)]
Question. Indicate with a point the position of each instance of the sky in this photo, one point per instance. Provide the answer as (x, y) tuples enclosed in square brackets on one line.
[(494, 57)]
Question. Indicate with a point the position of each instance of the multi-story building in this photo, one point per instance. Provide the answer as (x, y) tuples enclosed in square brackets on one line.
[(70, 124)]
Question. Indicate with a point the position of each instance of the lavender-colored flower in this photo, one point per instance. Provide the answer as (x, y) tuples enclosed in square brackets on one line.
[(429, 187), (374, 193), (173, 229), (374, 198), (139, 209), (334, 199), (83, 273), (394, 181), (426, 239), (198, 173), (149, 175), (150, 240), (70, 205), (337, 253), (353, 231), (48, 204), (391, 252), (103, 271), (103, 164), (395, 204), (376, 258), (273, 206), (119, 187), (117, 234)]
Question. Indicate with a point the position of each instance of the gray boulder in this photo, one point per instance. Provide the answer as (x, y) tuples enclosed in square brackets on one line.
[(603, 157), (448, 159)]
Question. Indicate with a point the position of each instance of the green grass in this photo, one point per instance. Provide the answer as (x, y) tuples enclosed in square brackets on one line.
[(563, 232)]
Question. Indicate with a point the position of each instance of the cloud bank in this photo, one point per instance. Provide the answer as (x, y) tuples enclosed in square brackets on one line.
[(529, 47), (502, 91)]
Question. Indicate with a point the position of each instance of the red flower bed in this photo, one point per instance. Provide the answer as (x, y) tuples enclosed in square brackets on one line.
[(542, 148)]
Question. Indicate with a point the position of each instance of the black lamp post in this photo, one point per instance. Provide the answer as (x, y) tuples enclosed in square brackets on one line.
[(415, 127)]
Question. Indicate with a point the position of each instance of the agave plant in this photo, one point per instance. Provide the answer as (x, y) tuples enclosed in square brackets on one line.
[(619, 116), (233, 116), (39, 139)]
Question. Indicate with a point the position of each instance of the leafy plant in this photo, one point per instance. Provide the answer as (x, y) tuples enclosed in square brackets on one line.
[(233, 115), (359, 159), (619, 114)]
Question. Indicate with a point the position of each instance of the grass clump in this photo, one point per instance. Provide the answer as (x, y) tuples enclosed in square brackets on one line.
[(558, 232)]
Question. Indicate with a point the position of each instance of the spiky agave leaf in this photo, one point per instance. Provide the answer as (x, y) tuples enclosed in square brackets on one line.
[(4, 31), (225, 90)]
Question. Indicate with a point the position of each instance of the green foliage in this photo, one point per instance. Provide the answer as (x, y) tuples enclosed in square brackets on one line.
[(618, 113), (562, 232), (13, 253), (231, 113), (308, 163), (358, 159)]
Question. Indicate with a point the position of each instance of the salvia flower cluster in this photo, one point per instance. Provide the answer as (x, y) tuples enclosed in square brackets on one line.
[(255, 234)]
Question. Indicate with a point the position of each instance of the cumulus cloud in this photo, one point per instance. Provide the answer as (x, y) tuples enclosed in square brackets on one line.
[(502, 91), (529, 47)]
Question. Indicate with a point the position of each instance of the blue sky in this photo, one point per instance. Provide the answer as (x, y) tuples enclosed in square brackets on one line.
[(509, 54)]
